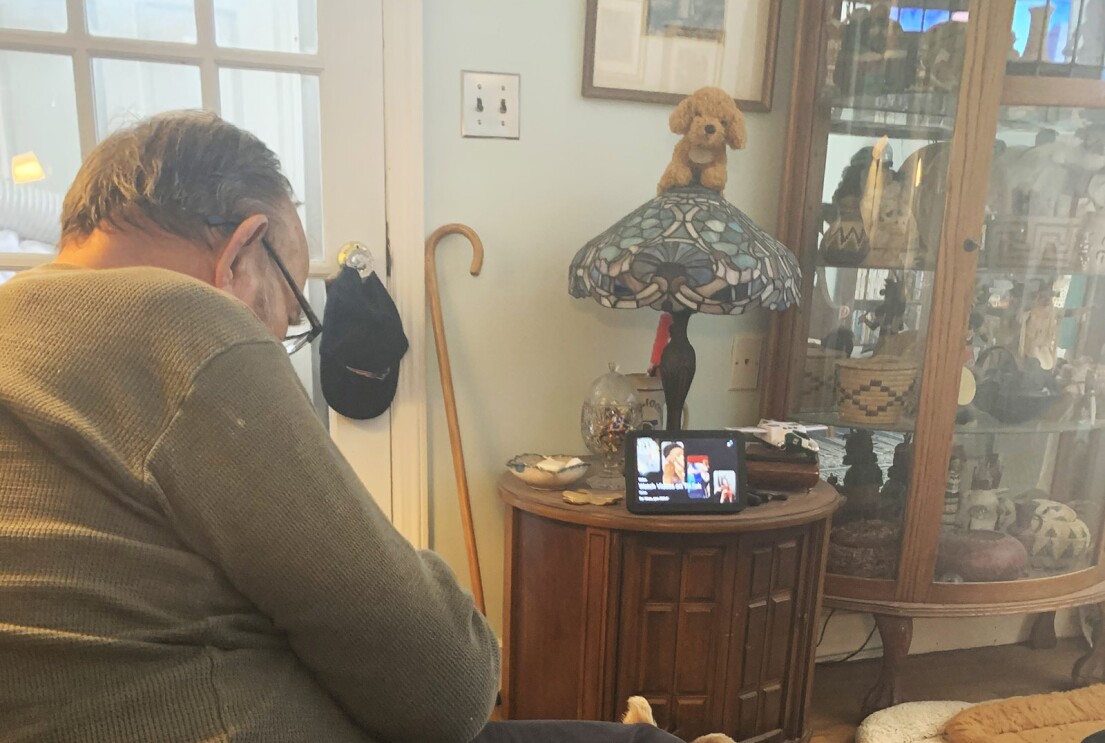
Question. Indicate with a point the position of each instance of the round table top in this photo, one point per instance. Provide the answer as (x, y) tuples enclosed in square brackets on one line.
[(800, 508)]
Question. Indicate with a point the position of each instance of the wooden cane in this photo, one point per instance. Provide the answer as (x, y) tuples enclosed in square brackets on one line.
[(450, 396)]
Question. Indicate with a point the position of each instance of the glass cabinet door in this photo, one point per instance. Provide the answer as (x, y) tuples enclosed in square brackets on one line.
[(1025, 495), (888, 96)]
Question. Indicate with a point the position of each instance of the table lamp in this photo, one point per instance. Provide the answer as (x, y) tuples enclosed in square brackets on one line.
[(688, 249)]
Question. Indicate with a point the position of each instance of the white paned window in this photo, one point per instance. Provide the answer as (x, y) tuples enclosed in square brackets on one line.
[(72, 72)]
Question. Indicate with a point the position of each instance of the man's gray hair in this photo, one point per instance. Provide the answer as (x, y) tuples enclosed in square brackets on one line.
[(177, 170)]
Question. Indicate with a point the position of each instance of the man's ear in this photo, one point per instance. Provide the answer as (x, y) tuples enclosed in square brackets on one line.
[(228, 257), (681, 117)]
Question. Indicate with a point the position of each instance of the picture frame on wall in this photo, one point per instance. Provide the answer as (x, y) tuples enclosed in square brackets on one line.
[(659, 51)]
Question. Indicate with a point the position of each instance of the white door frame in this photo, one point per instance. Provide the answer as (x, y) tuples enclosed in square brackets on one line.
[(403, 144)]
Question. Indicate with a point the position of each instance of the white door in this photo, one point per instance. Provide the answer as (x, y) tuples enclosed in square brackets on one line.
[(306, 78)]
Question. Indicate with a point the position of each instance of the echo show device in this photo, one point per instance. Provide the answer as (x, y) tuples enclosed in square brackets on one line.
[(685, 472)]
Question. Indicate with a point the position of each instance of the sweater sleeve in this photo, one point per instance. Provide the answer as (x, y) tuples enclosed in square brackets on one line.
[(253, 482)]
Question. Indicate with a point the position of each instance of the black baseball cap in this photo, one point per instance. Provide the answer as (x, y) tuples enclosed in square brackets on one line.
[(362, 343)]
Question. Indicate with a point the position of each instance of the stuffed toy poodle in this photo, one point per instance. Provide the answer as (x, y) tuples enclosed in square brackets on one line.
[(709, 121)]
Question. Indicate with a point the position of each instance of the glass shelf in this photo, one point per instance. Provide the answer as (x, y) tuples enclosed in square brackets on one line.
[(988, 425), (984, 424), (833, 420), (1034, 118), (1020, 272), (927, 116)]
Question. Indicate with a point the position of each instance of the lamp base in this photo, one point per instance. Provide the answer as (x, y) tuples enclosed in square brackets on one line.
[(677, 368)]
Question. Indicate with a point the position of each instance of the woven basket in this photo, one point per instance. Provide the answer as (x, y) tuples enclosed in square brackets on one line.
[(819, 378), (1034, 243), (874, 391)]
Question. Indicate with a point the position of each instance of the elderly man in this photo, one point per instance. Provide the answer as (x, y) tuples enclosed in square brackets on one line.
[(184, 556)]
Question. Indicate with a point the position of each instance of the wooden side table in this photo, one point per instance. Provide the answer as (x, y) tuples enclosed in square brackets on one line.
[(710, 618)]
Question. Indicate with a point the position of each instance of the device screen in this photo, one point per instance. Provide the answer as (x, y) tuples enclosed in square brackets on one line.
[(686, 472)]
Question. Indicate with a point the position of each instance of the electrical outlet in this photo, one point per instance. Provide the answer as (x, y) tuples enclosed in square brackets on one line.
[(489, 102), (745, 362)]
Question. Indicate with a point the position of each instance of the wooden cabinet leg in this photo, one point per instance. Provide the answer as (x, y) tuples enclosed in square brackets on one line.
[(1090, 668), (897, 635), (1042, 636)]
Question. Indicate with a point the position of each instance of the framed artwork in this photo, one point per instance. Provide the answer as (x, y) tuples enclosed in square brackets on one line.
[(661, 50)]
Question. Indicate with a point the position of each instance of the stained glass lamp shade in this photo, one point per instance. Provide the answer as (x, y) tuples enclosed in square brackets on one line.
[(687, 250)]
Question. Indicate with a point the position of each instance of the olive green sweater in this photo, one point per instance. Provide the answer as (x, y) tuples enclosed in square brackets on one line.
[(185, 556)]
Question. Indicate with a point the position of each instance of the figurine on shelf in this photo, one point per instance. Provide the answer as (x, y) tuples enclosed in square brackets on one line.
[(925, 171), (842, 339), (886, 207), (987, 474), (845, 242), (893, 494), (889, 316), (1007, 329), (1040, 330), (1091, 49), (863, 479), (979, 510), (943, 48), (1079, 381), (1034, 48), (876, 54), (1042, 180), (1091, 243), (954, 483)]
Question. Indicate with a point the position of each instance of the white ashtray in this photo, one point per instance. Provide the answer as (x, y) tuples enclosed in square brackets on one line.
[(548, 472)]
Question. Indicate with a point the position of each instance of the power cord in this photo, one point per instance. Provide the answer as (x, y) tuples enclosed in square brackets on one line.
[(859, 650), (845, 659), (825, 627)]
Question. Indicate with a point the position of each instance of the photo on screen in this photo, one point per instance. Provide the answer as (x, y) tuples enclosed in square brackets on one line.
[(648, 457), (725, 485), (675, 462), (698, 475)]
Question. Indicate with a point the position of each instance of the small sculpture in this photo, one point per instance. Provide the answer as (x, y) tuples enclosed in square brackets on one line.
[(1092, 240), (943, 48), (1034, 50), (709, 120), (894, 492), (845, 242), (1092, 30), (863, 478), (889, 316), (842, 339), (953, 485), (987, 474), (887, 210), (1040, 331), (875, 53), (979, 509)]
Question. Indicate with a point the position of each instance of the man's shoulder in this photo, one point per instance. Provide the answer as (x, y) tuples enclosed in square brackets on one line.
[(137, 296), (144, 311)]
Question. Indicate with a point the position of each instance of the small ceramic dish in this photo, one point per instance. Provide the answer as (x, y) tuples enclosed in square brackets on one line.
[(555, 472)]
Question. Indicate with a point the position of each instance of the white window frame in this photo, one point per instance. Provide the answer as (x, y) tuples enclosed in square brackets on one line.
[(403, 157), (82, 46)]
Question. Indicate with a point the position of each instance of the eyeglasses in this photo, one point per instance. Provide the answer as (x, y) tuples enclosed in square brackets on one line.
[(295, 341)]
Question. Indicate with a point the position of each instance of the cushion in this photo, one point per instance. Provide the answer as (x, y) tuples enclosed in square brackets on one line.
[(835, 734), (1042, 718), (912, 722)]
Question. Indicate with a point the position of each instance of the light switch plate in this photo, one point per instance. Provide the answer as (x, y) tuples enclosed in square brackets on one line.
[(489, 105), (745, 362)]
